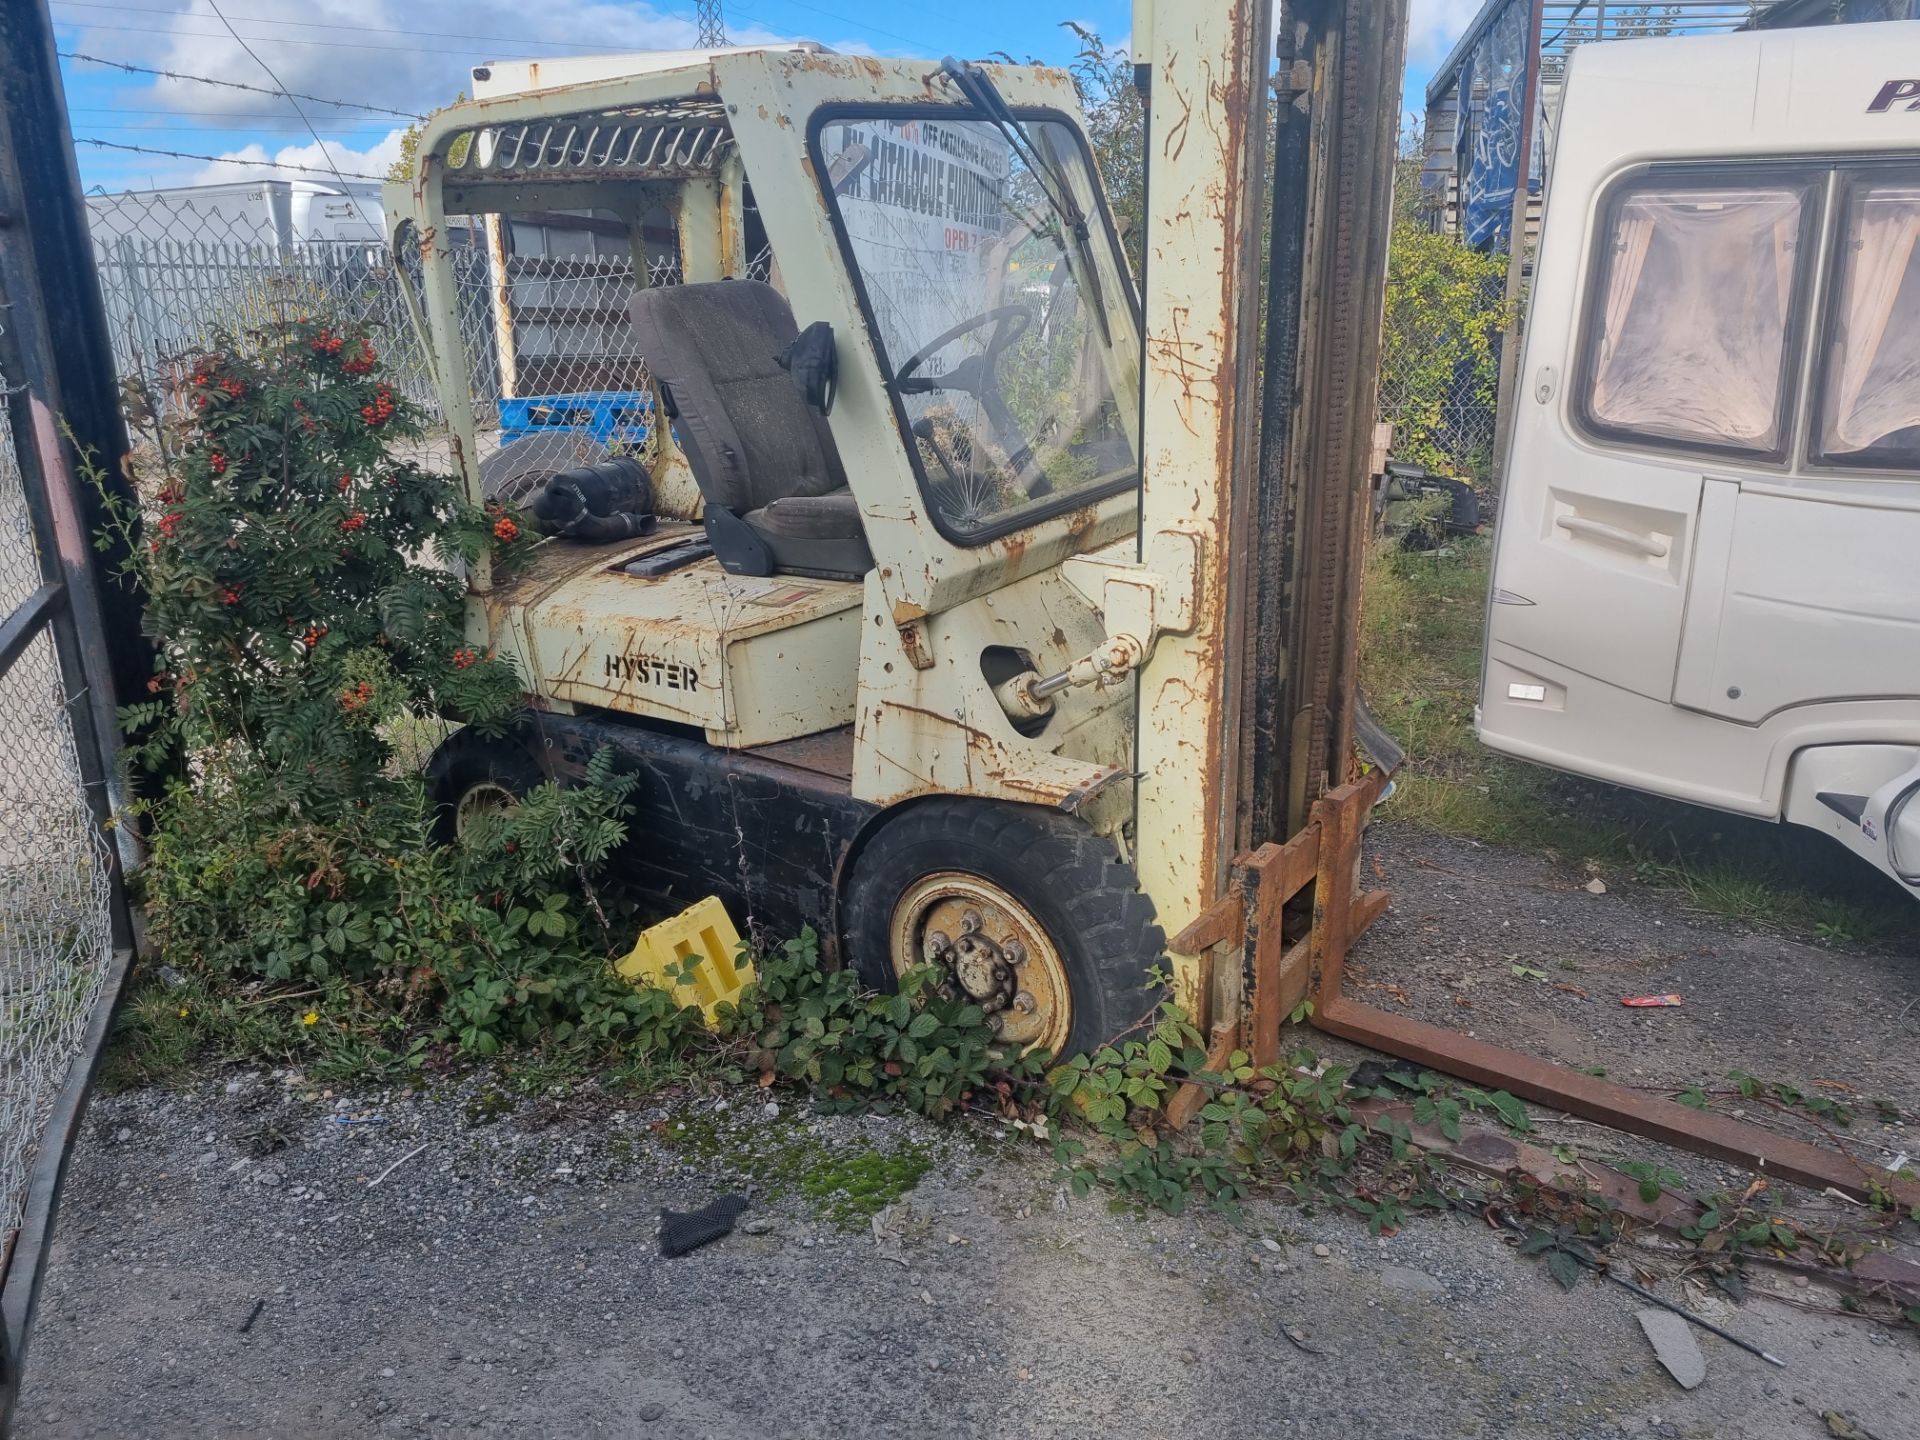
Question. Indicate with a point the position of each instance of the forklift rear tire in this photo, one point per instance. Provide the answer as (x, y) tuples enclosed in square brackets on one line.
[(1027, 912), (470, 774)]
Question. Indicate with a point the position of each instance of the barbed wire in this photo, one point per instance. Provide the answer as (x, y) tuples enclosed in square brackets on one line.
[(237, 85), (227, 159), (325, 154)]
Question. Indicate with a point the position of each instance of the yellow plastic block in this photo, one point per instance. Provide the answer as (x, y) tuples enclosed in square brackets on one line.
[(701, 934)]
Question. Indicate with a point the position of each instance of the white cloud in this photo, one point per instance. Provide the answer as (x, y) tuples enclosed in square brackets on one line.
[(318, 164), (349, 49), (1435, 26)]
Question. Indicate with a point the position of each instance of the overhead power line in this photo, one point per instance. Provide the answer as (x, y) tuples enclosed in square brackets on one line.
[(325, 154), (237, 85), (226, 159), (713, 26)]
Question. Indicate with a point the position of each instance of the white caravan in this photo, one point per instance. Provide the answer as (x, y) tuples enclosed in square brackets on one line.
[(1707, 575)]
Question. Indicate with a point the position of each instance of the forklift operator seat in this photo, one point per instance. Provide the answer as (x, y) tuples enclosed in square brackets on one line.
[(776, 494)]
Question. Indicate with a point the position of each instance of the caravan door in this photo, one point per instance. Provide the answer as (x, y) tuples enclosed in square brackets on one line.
[(1678, 376), (1804, 588)]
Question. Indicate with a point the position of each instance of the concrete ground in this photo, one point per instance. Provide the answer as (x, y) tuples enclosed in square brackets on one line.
[(234, 1260)]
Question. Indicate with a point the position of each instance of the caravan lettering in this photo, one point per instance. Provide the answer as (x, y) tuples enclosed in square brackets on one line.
[(1893, 92)]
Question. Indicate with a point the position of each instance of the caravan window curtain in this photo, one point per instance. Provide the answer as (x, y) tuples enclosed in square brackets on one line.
[(1691, 324), (1870, 388)]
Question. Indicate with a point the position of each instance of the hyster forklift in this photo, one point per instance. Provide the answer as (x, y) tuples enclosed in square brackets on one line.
[(976, 600)]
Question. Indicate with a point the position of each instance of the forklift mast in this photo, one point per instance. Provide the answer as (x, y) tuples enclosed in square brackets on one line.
[(1271, 143)]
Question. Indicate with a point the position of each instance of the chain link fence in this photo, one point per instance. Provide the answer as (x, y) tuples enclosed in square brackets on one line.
[(56, 939), (1440, 353), (542, 300)]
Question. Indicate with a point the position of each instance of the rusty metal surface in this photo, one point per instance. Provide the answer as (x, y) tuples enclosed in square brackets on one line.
[(1206, 148), (1340, 915), (829, 753), (1702, 1131)]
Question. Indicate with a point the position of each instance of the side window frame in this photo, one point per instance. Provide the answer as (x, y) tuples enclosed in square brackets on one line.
[(1851, 177), (1810, 181)]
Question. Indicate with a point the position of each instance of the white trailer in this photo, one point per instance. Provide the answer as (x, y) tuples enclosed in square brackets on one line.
[(278, 214), (1706, 581)]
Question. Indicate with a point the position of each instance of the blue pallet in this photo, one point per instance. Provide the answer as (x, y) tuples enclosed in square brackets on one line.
[(610, 416)]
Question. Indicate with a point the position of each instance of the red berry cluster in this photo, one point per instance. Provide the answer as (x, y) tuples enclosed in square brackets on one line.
[(358, 364), (326, 343), (354, 521), (217, 463), (168, 523), (505, 531), (464, 659), (381, 410), (346, 483), (357, 698), (312, 637), (230, 596)]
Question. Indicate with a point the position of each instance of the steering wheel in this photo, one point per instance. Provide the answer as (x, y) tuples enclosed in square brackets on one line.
[(974, 376), (974, 373)]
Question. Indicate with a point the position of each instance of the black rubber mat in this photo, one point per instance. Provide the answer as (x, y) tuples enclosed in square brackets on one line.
[(680, 1234)]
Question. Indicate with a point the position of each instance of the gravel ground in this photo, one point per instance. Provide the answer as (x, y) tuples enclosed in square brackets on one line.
[(233, 1259)]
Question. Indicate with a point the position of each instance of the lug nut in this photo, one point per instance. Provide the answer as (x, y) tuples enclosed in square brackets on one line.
[(1025, 1003), (969, 921), (1015, 952)]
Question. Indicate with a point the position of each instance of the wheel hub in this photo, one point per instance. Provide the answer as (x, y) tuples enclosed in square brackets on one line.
[(487, 797), (988, 949)]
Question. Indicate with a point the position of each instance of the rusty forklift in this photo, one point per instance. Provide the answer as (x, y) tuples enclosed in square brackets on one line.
[(978, 600), (978, 615)]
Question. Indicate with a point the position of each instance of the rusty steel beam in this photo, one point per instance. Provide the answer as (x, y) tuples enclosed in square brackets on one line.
[(1320, 448), (1701, 1131)]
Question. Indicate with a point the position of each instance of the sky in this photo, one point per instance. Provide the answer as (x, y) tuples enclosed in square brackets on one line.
[(409, 55)]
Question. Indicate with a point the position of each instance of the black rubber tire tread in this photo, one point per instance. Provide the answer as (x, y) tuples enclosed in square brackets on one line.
[(1086, 897), (465, 759)]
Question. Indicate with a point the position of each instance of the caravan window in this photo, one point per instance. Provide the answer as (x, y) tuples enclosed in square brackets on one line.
[(1690, 327), (1870, 387)]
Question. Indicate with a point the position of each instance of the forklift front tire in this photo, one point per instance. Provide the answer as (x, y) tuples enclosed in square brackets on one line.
[(470, 775), (1023, 911)]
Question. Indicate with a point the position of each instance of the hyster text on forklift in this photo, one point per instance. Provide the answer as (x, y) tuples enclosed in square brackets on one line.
[(974, 603)]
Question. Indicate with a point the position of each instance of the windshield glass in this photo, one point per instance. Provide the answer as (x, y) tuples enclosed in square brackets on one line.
[(987, 318)]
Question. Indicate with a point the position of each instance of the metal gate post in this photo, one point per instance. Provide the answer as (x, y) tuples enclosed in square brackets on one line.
[(44, 209), (57, 373)]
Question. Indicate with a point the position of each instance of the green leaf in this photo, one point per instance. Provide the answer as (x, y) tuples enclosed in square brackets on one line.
[(1509, 1109), (924, 1024), (1564, 1268)]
